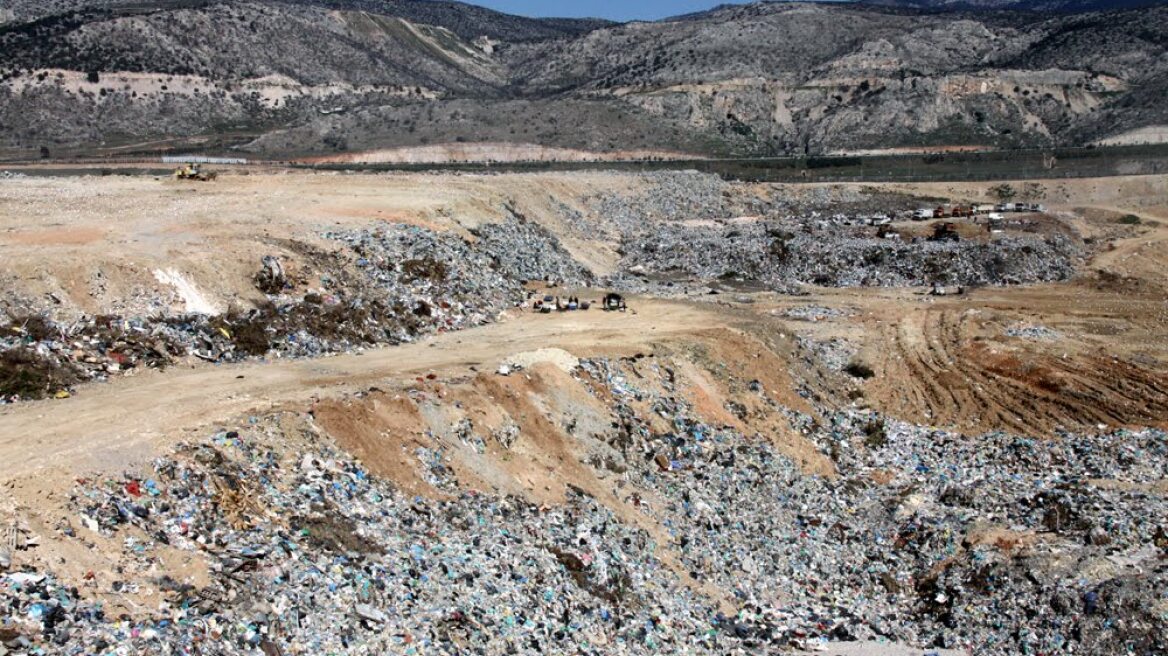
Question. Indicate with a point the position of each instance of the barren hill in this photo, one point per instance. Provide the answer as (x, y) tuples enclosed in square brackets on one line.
[(1049, 6), (311, 77)]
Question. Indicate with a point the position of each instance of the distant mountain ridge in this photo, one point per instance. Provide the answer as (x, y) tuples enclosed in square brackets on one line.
[(466, 20), (1048, 6), (314, 77)]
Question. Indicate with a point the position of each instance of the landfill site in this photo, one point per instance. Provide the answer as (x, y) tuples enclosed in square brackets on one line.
[(284, 412)]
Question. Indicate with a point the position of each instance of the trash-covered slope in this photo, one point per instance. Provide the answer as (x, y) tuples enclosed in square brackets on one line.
[(690, 537), (386, 285)]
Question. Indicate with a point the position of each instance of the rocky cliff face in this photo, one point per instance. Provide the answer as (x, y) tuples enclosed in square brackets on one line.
[(284, 77), (868, 78)]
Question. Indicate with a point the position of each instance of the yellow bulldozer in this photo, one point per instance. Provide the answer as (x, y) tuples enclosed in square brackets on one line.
[(194, 172)]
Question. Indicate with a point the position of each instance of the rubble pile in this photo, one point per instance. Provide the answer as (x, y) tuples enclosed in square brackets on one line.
[(770, 253)]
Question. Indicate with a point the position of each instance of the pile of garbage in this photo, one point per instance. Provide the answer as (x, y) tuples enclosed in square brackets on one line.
[(690, 195), (999, 544), (834, 353), (40, 358), (682, 230), (814, 313), (1033, 332), (528, 252), (312, 555), (770, 253), (386, 285), (679, 233), (666, 196)]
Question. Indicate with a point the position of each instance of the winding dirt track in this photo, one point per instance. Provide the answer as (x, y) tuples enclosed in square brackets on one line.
[(110, 425)]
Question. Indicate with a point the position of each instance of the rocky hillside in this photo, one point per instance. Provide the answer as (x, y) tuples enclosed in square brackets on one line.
[(870, 78), (312, 77), (1057, 6), (468, 21)]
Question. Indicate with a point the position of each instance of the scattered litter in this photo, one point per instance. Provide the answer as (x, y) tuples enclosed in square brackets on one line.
[(814, 313), (1033, 331)]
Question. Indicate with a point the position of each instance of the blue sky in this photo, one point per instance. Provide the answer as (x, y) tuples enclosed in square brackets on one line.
[(611, 9)]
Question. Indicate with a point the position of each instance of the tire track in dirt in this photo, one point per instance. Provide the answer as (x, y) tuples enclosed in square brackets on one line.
[(936, 368)]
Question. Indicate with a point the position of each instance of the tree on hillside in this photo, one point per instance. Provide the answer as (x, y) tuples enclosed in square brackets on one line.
[(1003, 192)]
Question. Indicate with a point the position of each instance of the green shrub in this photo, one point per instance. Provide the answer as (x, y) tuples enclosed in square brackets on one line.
[(859, 370)]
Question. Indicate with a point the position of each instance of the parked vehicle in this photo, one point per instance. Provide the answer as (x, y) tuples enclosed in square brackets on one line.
[(614, 301)]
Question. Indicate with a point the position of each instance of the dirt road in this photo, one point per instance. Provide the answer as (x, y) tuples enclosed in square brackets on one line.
[(106, 426)]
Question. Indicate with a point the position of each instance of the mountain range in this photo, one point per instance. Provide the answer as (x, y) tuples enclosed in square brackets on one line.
[(333, 78)]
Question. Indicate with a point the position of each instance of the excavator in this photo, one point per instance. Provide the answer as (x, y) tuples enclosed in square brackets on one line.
[(194, 172)]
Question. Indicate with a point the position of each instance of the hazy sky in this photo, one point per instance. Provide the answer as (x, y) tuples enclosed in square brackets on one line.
[(611, 9)]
